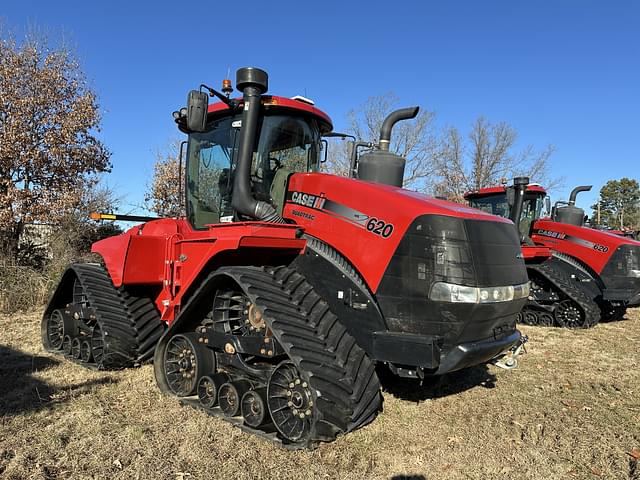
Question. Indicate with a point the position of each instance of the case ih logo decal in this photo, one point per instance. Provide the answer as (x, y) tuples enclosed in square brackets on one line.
[(308, 200), (580, 241), (320, 202), (549, 233)]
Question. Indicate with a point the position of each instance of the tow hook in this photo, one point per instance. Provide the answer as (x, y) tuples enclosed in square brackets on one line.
[(509, 360)]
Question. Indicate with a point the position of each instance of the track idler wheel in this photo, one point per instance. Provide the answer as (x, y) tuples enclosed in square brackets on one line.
[(54, 330), (185, 361), (291, 402), (254, 408), (568, 315), (229, 397)]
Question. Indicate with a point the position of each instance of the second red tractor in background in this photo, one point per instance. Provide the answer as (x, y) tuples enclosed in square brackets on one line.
[(578, 275)]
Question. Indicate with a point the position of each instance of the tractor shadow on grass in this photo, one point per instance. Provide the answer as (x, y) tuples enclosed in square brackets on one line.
[(436, 387), (21, 392)]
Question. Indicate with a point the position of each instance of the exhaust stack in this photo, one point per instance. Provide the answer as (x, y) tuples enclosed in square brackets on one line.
[(576, 191)]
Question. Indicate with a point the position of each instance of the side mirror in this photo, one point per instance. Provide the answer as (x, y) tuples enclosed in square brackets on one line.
[(197, 106), (547, 205), (324, 147)]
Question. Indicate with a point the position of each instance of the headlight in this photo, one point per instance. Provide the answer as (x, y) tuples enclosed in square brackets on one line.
[(634, 273), (450, 292)]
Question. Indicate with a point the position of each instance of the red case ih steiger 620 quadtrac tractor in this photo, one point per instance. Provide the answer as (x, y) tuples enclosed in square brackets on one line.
[(276, 297), (578, 275)]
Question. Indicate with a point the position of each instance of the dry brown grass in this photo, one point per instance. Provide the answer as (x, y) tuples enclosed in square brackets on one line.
[(572, 410)]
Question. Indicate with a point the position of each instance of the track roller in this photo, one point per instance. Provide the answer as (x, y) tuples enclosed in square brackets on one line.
[(253, 406), (545, 319), (85, 351), (208, 387), (75, 348), (229, 396), (66, 345)]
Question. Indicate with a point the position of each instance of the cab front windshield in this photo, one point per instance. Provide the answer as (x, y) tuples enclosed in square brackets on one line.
[(287, 144), (497, 204)]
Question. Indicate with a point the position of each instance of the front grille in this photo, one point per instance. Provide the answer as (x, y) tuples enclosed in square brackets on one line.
[(620, 274), (476, 253)]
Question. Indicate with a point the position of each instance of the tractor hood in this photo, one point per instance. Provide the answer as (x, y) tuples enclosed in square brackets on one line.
[(366, 222)]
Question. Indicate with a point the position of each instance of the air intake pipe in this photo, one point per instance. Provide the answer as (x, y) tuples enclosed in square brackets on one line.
[(576, 191), (381, 165), (252, 82)]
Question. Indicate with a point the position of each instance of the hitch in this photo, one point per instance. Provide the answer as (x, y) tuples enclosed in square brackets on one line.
[(509, 360)]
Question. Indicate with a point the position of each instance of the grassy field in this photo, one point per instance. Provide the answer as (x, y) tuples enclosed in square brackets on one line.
[(571, 410)]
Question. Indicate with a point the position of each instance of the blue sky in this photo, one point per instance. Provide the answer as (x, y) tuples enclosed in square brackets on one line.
[(562, 72)]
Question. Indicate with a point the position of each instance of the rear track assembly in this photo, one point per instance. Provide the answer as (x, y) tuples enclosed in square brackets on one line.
[(97, 325)]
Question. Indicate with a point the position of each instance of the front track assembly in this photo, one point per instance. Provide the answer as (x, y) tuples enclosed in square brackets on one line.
[(558, 299), (269, 356), (93, 323)]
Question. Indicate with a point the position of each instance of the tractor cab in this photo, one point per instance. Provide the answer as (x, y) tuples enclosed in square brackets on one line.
[(500, 201), (286, 140)]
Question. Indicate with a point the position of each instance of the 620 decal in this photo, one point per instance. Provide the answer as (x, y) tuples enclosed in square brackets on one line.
[(379, 227), (600, 248)]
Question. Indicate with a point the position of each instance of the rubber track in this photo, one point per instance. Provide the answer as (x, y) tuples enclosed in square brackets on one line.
[(131, 324), (314, 339), (567, 286)]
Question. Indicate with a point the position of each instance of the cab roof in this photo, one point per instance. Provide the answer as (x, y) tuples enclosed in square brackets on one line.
[(272, 102), (534, 188)]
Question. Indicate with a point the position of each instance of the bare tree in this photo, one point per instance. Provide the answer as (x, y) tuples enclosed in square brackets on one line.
[(415, 139), (163, 195), (485, 158), (48, 151)]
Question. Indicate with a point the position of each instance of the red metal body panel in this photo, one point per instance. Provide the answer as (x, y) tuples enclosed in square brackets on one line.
[(169, 254), (537, 253), (593, 247), (347, 231)]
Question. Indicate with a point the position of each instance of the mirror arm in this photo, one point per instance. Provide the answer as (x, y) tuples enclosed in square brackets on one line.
[(223, 98)]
